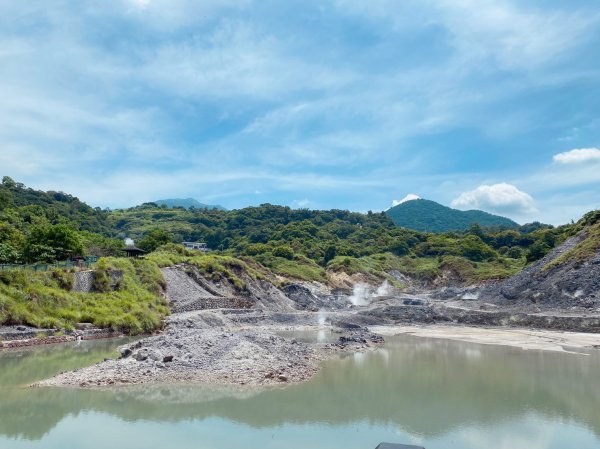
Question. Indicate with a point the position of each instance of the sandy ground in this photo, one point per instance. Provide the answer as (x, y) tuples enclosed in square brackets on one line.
[(521, 338)]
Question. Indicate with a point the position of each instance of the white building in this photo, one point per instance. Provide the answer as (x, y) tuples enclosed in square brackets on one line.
[(197, 246)]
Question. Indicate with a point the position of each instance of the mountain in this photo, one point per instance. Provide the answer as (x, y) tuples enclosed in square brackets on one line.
[(429, 216), (186, 203)]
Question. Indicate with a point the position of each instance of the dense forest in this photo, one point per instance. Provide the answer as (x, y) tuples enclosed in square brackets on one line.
[(46, 226), (429, 216)]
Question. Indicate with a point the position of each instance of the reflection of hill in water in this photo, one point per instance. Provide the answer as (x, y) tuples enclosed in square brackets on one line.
[(428, 387)]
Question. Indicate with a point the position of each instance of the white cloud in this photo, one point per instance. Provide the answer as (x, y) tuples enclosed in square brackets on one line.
[(578, 156), (409, 197), (499, 198)]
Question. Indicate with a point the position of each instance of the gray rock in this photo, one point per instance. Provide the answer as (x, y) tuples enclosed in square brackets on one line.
[(141, 355)]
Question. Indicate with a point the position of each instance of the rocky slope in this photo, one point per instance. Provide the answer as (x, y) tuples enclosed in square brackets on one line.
[(559, 281)]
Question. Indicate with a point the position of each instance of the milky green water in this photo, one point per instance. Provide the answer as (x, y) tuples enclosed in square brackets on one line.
[(436, 393)]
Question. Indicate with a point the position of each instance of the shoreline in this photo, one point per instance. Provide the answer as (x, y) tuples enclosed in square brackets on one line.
[(523, 338), (255, 356), (14, 345)]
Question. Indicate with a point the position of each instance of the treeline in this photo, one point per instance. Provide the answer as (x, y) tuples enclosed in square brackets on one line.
[(46, 226), (323, 235)]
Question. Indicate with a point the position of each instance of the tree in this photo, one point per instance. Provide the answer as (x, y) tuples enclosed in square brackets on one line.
[(9, 254), (154, 239), (330, 254), (536, 251), (7, 181), (284, 251), (52, 243)]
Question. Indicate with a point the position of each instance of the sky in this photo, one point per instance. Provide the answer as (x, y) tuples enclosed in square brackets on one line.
[(344, 104)]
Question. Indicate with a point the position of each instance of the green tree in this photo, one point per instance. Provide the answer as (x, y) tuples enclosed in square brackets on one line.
[(330, 254), (154, 239), (536, 251), (52, 243), (10, 254), (284, 251), (7, 181)]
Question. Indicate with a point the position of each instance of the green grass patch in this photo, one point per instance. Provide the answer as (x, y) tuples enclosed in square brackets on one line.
[(40, 299), (377, 265), (300, 267), (470, 272), (585, 250)]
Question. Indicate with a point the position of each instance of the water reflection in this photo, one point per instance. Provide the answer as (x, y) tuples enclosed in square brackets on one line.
[(427, 389)]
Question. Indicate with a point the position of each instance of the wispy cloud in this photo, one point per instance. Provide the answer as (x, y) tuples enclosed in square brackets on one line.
[(346, 103), (578, 156)]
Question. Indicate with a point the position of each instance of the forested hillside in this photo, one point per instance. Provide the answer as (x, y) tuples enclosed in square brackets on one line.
[(429, 216), (38, 226), (46, 226)]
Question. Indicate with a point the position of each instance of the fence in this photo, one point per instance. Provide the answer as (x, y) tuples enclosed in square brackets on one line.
[(84, 263)]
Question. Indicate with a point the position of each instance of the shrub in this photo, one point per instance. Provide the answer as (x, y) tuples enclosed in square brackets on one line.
[(284, 251)]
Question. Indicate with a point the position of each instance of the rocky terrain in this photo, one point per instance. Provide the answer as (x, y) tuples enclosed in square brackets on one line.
[(221, 335), (209, 347), (573, 285)]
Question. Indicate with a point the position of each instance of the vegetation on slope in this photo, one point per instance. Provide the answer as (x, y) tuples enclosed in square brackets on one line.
[(429, 216), (46, 226), (588, 247), (40, 226), (45, 299), (266, 242)]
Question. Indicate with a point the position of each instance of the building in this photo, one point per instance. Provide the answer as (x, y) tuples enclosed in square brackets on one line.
[(196, 246), (131, 250)]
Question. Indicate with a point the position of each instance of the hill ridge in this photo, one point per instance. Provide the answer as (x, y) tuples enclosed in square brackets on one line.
[(428, 216)]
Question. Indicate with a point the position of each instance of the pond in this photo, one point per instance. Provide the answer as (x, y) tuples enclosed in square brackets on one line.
[(437, 393)]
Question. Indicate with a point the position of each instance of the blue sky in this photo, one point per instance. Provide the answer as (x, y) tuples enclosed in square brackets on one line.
[(321, 104)]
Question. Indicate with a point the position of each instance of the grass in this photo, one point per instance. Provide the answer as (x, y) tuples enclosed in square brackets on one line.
[(41, 299), (377, 265), (213, 265), (300, 267), (428, 269), (585, 250), (476, 272)]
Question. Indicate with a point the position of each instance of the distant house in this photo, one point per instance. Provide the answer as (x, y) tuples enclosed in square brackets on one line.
[(196, 246)]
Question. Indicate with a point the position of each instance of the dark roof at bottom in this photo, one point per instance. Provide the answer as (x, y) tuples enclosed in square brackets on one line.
[(133, 249)]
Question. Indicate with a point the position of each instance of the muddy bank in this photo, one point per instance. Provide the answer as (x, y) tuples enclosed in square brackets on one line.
[(15, 337), (527, 339), (427, 309)]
